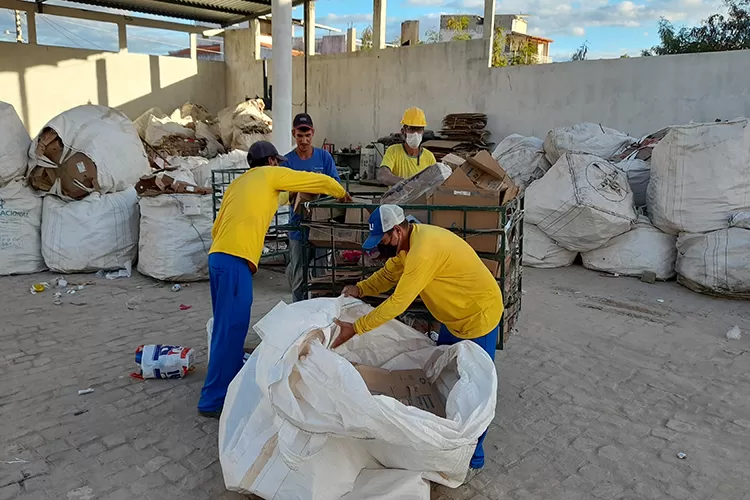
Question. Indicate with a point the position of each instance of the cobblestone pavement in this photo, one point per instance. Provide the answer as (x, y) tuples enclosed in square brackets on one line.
[(608, 381)]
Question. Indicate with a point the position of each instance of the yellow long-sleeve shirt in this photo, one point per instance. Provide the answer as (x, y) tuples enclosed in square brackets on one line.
[(453, 282), (250, 203)]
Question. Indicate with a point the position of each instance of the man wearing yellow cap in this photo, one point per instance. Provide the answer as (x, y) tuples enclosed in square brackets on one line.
[(402, 161)]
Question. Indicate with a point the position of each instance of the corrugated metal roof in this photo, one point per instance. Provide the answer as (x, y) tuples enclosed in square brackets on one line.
[(223, 12)]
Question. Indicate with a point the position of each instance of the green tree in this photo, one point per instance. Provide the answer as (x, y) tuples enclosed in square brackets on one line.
[(460, 27), (718, 33), (431, 36), (366, 39), (581, 53)]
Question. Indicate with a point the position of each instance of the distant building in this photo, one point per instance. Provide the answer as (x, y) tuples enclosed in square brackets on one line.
[(514, 29)]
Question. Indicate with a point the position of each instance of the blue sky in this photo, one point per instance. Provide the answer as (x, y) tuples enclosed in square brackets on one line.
[(611, 27)]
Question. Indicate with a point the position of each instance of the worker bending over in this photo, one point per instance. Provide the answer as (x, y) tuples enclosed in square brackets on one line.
[(402, 161), (437, 265), (304, 158), (239, 231)]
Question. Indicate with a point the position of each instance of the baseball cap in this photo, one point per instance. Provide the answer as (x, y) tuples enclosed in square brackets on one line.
[(263, 149), (382, 220), (302, 120)]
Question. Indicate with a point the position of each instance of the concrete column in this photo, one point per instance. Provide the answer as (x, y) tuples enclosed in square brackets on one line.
[(351, 40), (193, 46), (489, 28), (255, 38), (410, 33), (310, 27), (31, 26), (378, 24), (122, 36), (281, 14)]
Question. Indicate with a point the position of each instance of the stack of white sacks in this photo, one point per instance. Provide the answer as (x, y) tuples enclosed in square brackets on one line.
[(674, 202), (20, 207), (100, 231)]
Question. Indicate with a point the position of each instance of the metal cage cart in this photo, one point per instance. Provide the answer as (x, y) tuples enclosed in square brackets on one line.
[(276, 245), (340, 229)]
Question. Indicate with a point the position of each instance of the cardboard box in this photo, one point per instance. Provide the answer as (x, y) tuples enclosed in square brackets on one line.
[(480, 181), (349, 235), (411, 387)]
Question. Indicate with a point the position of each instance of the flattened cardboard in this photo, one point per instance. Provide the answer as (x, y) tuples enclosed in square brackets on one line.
[(411, 387), (346, 236), (78, 176), (479, 181)]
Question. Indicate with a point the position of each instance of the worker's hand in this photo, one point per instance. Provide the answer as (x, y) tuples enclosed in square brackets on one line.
[(346, 199), (351, 291), (347, 332)]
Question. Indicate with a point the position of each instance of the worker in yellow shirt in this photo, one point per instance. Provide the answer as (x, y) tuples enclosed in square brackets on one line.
[(441, 268), (402, 161), (239, 232)]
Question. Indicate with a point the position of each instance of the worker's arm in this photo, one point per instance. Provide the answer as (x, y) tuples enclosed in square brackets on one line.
[(387, 177), (286, 179), (384, 279), (385, 172), (419, 271)]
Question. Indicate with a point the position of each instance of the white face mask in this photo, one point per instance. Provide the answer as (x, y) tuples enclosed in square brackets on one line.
[(414, 140)]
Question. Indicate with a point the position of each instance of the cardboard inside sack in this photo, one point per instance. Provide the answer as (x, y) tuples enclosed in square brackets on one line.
[(479, 181), (410, 387)]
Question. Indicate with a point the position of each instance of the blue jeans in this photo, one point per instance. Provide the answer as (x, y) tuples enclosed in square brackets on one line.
[(231, 296), (489, 344)]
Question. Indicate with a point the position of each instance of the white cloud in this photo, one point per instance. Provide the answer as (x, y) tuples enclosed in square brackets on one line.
[(553, 17), (578, 31)]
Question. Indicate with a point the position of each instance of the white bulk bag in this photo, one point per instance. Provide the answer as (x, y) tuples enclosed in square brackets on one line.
[(20, 230), (700, 175), (588, 138), (175, 236), (95, 233), (107, 137), (541, 251), (299, 422), (14, 144), (643, 248), (716, 263), (581, 203), (202, 168), (522, 158)]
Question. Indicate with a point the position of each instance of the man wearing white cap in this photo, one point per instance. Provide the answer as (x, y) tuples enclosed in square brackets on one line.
[(441, 268)]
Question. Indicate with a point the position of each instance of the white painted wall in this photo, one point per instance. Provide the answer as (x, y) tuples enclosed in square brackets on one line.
[(41, 82), (357, 97)]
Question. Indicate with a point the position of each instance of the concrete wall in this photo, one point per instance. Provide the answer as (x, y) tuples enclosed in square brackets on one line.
[(357, 97), (40, 82)]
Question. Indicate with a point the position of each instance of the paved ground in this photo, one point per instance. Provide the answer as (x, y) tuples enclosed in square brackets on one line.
[(608, 381)]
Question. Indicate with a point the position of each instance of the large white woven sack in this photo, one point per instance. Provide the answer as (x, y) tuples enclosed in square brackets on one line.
[(99, 232), (175, 236), (539, 250), (700, 175), (643, 248), (581, 203), (589, 138), (299, 422), (20, 230), (107, 137), (14, 144), (716, 263), (522, 158)]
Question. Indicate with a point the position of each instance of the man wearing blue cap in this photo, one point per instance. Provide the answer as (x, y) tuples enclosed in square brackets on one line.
[(304, 158), (441, 268), (248, 206)]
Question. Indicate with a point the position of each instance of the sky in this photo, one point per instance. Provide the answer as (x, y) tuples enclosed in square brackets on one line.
[(610, 28)]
